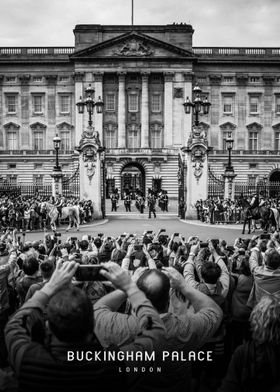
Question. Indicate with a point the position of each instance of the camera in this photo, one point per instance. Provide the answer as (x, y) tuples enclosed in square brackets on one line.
[(138, 247), (100, 234), (89, 273), (176, 234)]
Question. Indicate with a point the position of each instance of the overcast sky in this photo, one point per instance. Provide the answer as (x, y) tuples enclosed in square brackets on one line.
[(216, 22)]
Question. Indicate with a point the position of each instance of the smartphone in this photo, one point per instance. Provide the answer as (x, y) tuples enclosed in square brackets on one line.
[(123, 235), (204, 244), (57, 234), (230, 248), (150, 232), (59, 242), (131, 235), (109, 238), (176, 234), (162, 230), (138, 247), (74, 239), (100, 234), (89, 273), (89, 237), (19, 239)]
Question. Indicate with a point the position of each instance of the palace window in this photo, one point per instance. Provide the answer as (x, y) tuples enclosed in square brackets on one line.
[(64, 78), (110, 102), (228, 104), (133, 137), (65, 140), (277, 104), (37, 101), (12, 179), (11, 79), (11, 103), (110, 136), (38, 180), (226, 135), (228, 79), (38, 140), (254, 105), (156, 103), (37, 79), (133, 102), (156, 136), (277, 141), (64, 102), (253, 140), (12, 140)]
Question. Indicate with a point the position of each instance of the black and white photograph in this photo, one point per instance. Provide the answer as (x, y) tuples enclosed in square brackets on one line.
[(139, 196)]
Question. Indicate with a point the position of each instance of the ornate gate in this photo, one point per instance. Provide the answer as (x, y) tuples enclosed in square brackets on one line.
[(71, 185), (216, 185)]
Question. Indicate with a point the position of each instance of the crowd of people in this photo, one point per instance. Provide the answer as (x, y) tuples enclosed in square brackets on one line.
[(217, 210), (154, 293), (25, 213), (154, 199)]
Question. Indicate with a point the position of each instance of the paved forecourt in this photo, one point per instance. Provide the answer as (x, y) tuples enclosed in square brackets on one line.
[(115, 225)]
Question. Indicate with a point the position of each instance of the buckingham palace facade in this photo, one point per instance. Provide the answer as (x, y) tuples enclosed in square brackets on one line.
[(143, 75)]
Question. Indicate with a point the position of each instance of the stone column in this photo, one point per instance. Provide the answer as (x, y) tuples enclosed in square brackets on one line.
[(121, 112), (78, 78), (2, 144), (168, 109), (98, 118), (51, 115), (145, 111), (187, 119), (25, 112)]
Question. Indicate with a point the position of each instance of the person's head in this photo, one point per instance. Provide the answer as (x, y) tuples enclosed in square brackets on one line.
[(155, 284), (84, 245), (156, 251), (210, 272), (70, 315), (272, 259), (47, 268), (30, 265), (244, 268), (265, 321), (97, 242)]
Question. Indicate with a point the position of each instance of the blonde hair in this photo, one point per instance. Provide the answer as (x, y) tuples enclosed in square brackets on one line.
[(265, 321)]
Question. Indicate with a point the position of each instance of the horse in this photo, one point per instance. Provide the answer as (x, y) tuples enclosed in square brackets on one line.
[(71, 212), (267, 216)]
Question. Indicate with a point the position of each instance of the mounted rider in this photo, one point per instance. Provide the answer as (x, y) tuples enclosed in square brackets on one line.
[(254, 203)]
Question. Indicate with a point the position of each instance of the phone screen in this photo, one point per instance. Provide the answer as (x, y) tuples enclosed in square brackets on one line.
[(89, 273)]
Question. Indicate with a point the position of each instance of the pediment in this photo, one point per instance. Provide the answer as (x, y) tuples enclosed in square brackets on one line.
[(64, 125), (254, 125), (276, 126), (132, 45), (38, 125), (227, 125), (11, 125)]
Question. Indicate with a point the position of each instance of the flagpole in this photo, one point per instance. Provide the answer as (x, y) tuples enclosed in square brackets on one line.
[(132, 12)]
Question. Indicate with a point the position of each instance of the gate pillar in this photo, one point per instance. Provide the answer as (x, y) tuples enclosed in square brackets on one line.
[(90, 167), (56, 182), (196, 162)]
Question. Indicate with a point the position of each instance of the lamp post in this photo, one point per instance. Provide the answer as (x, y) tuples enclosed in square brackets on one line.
[(198, 105), (56, 145), (90, 104), (57, 172), (229, 171), (91, 154)]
